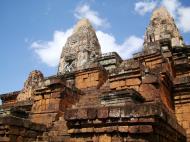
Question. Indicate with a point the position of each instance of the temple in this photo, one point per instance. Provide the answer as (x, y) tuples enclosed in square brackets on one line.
[(97, 97)]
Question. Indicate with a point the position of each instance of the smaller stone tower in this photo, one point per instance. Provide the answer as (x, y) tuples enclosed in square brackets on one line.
[(81, 48), (33, 81), (162, 26)]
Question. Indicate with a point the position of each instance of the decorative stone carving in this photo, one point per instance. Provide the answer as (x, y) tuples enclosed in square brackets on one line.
[(81, 48), (35, 77), (162, 26)]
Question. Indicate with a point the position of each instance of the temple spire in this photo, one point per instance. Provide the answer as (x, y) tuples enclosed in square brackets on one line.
[(81, 48), (162, 26), (82, 23)]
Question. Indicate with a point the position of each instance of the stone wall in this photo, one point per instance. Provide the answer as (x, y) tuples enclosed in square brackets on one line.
[(14, 129), (51, 100), (34, 79), (143, 122), (89, 78), (182, 87)]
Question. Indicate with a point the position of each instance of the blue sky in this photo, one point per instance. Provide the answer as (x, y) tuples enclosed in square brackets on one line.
[(33, 32)]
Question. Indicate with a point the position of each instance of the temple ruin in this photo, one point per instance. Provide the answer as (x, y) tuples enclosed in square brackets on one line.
[(97, 97)]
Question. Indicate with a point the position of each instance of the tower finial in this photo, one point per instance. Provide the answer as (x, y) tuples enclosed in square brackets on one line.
[(84, 22)]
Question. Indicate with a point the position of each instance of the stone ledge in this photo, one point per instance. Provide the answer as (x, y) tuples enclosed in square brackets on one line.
[(15, 121), (136, 113)]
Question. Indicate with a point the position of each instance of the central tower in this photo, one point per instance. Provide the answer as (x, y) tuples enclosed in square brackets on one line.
[(81, 48)]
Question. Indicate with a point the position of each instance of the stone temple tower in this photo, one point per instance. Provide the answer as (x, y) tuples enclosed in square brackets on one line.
[(162, 26), (81, 48), (103, 98)]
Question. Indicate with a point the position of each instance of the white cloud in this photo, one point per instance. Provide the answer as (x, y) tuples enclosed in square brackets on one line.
[(49, 51), (171, 6), (142, 7), (131, 45), (184, 19), (84, 11), (180, 13)]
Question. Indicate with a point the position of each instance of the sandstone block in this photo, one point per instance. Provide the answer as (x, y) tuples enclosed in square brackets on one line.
[(84, 76), (55, 94), (82, 114), (103, 112), (135, 87), (37, 97), (145, 129), (92, 113), (53, 104), (149, 79), (148, 91), (96, 76), (114, 112), (104, 138), (114, 85), (133, 81), (71, 114), (133, 129), (123, 129), (47, 96), (186, 124), (116, 139), (110, 129)]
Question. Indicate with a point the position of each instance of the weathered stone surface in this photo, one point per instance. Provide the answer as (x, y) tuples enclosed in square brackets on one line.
[(133, 81), (103, 113), (71, 114), (34, 79), (93, 77), (92, 113), (82, 114), (105, 138), (162, 26), (16, 129), (101, 98), (149, 79), (148, 91), (114, 112), (81, 48)]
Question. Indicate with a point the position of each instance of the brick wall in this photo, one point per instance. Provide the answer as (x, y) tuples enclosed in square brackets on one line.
[(14, 129), (94, 77)]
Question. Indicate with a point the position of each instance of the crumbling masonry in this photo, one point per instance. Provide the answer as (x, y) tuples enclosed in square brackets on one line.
[(99, 97)]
